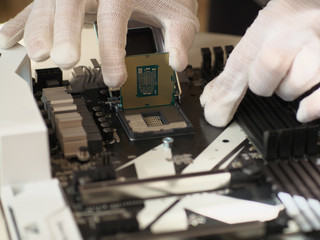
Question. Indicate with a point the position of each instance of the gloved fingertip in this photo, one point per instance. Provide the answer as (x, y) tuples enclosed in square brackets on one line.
[(114, 79), (38, 50), (203, 99), (206, 94), (258, 84), (6, 42), (65, 55), (178, 59), (302, 115), (215, 118), (261, 90), (41, 55)]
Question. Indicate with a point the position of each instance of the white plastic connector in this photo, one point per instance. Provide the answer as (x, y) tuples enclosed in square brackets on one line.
[(24, 148), (38, 211)]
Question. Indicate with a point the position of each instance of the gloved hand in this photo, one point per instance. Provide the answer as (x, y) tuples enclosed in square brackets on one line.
[(279, 53), (53, 28)]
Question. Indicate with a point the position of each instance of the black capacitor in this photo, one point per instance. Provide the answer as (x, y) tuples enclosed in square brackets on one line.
[(97, 109), (83, 154), (107, 134), (108, 115), (91, 103), (102, 120), (103, 94), (106, 124), (98, 115)]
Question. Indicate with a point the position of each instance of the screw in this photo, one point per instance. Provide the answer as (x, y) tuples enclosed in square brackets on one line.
[(167, 142)]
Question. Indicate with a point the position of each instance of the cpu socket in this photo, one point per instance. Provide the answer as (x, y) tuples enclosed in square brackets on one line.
[(148, 108)]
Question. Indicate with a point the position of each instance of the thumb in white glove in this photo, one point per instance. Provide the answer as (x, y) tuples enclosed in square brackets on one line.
[(54, 28), (279, 53)]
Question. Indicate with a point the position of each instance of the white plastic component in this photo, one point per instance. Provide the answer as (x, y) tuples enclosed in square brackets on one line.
[(152, 164), (24, 150), (153, 209), (218, 207), (219, 149), (3, 228), (38, 211), (229, 161), (214, 206)]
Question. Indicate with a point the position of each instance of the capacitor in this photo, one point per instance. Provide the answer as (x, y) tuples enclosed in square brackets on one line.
[(103, 94), (107, 134), (106, 124), (102, 120), (98, 115), (83, 154), (97, 109)]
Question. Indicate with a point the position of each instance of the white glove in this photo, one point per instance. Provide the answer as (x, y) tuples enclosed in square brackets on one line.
[(53, 28), (279, 53)]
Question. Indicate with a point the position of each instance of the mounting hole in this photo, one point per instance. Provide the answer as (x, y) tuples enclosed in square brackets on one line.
[(225, 140)]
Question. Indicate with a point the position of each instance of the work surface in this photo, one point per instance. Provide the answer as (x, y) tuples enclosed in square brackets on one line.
[(90, 50)]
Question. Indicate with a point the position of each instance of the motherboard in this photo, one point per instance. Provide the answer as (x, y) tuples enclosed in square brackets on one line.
[(141, 161), (104, 171)]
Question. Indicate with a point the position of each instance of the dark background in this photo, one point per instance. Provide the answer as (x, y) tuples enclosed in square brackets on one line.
[(221, 16), (232, 16)]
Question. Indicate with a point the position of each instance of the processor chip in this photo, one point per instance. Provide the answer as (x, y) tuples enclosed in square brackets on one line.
[(150, 82), (147, 81)]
